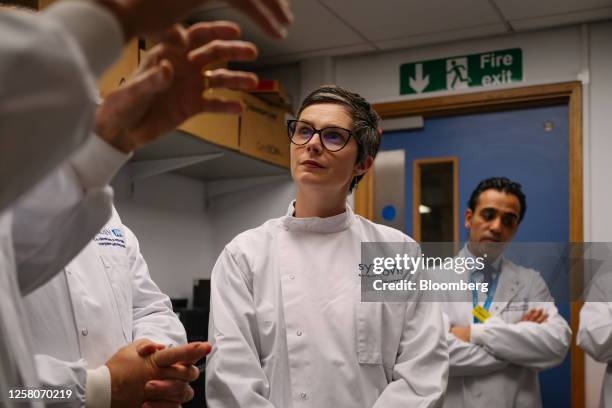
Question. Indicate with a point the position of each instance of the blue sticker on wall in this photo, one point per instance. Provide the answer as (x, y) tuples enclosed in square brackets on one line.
[(388, 213)]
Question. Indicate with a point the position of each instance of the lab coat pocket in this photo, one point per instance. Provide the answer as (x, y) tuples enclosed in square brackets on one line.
[(368, 327), (118, 272)]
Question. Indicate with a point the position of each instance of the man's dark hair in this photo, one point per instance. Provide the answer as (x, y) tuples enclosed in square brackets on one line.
[(365, 119), (501, 184)]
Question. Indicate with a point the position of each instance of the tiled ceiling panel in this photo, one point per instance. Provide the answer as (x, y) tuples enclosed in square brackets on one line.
[(442, 36), (522, 9), (342, 27), (314, 28), (391, 19), (561, 19)]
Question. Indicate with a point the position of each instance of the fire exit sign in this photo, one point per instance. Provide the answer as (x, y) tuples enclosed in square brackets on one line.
[(467, 71)]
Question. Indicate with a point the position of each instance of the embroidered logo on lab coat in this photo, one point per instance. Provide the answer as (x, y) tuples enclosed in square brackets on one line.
[(110, 237)]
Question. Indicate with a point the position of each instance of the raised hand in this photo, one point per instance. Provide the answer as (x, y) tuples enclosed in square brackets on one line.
[(168, 87), (151, 17)]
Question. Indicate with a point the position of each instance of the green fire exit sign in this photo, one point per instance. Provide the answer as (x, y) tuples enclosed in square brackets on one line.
[(467, 71)]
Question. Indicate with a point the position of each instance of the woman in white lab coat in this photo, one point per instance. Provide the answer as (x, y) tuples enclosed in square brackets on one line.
[(288, 327)]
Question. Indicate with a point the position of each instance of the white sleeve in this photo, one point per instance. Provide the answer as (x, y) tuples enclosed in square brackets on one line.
[(54, 221), (99, 391), (153, 317), (47, 97), (94, 28), (467, 358), (63, 375), (528, 344), (90, 388), (420, 373), (595, 330), (234, 377)]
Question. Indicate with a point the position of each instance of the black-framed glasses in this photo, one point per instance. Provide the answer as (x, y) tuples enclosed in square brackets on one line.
[(332, 138)]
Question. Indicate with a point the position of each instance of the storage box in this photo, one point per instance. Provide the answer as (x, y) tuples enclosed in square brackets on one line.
[(271, 91), (262, 131), (220, 129)]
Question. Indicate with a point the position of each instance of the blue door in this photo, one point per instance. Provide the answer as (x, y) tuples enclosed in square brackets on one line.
[(526, 145)]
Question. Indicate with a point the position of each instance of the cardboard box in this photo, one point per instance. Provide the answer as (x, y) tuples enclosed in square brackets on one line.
[(223, 130), (262, 131), (271, 91)]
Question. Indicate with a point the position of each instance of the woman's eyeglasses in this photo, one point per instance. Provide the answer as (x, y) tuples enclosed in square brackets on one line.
[(332, 138)]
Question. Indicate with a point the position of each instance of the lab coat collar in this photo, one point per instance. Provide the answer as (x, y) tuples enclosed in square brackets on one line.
[(326, 225), (496, 265), (510, 282)]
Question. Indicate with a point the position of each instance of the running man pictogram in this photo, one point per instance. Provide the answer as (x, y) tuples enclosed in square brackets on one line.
[(458, 70)]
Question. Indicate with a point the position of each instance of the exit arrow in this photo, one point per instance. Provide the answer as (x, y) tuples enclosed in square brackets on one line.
[(418, 83)]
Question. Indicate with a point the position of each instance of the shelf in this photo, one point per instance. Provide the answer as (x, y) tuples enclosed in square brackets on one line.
[(180, 147)]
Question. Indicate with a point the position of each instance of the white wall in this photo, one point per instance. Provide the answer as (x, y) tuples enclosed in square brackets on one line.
[(548, 56), (235, 213), (179, 234), (598, 120), (167, 215)]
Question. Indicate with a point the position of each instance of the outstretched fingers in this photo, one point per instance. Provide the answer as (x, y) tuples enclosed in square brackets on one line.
[(188, 353), (221, 51)]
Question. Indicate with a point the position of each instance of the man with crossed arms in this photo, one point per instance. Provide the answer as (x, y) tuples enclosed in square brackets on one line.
[(496, 363)]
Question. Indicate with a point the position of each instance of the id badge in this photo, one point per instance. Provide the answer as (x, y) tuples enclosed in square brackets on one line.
[(481, 313)]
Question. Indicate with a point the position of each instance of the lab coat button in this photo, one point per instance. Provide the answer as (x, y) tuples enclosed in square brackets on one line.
[(84, 331), (303, 396), (292, 277), (299, 333)]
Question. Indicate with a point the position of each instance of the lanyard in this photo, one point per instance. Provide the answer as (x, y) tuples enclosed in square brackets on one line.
[(490, 294)]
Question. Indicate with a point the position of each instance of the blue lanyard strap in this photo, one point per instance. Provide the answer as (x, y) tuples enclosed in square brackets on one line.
[(490, 295)]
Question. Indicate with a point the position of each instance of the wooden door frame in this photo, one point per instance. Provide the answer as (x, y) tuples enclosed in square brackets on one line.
[(416, 193), (478, 102)]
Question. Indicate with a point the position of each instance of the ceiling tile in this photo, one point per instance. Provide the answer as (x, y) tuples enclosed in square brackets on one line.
[(520, 9), (322, 52), (390, 19), (314, 28), (561, 19), (442, 36)]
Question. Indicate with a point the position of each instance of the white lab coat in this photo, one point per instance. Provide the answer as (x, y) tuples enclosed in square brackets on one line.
[(50, 225), (103, 300), (499, 366), (47, 72), (595, 330), (288, 327), (47, 98)]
